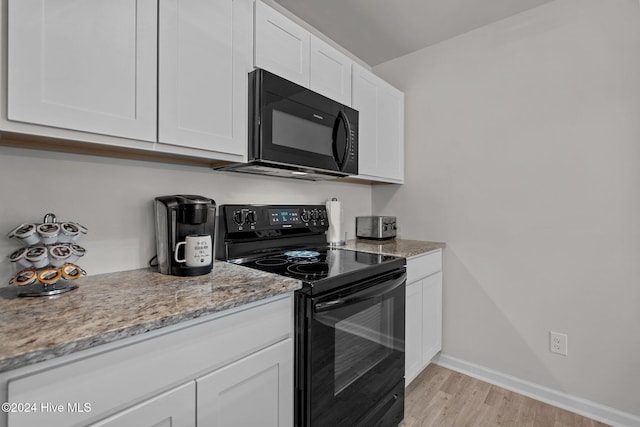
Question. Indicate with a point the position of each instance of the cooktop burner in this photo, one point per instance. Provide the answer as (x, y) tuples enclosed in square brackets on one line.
[(302, 254), (309, 270), (272, 262)]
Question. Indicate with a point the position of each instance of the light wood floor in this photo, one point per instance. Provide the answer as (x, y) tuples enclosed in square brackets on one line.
[(442, 397)]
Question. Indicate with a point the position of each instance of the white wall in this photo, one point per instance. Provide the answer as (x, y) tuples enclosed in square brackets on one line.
[(523, 154), (113, 198)]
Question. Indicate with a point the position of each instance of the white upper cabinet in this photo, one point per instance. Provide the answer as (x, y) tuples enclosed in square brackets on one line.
[(171, 76), (381, 127), (289, 51), (330, 72), (84, 65), (167, 71), (365, 100), (205, 55), (390, 130), (281, 45)]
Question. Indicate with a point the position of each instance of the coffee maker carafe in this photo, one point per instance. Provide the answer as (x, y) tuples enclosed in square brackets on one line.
[(185, 227)]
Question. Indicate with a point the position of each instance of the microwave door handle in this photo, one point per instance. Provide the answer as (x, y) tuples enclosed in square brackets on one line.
[(341, 160), (358, 297)]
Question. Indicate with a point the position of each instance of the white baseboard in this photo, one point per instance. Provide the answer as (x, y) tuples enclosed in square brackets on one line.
[(553, 397)]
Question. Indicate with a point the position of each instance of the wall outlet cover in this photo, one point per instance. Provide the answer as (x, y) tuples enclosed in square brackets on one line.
[(558, 343)]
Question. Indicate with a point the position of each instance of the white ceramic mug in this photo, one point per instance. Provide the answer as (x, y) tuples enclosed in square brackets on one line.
[(197, 250)]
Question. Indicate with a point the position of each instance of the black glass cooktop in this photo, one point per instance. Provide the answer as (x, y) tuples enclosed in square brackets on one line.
[(316, 266)]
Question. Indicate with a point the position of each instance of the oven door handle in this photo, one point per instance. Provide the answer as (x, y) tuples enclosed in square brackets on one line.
[(359, 296)]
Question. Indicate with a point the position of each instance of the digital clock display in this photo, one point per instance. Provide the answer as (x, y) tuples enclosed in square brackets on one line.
[(284, 216)]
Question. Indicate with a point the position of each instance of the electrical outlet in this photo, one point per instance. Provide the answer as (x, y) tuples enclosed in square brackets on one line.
[(558, 343)]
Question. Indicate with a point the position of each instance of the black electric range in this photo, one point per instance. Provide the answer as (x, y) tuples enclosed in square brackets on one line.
[(291, 241), (349, 314)]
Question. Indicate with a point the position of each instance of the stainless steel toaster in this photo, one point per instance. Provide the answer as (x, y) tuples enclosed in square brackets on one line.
[(376, 227)]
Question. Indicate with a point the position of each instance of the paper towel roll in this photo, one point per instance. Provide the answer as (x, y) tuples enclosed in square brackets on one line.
[(334, 213)]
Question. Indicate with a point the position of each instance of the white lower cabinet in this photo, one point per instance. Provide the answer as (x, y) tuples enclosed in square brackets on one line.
[(431, 316), (206, 371), (413, 331), (423, 315), (265, 379), (175, 408)]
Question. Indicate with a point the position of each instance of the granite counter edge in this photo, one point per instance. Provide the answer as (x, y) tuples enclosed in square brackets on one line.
[(426, 247), (30, 358)]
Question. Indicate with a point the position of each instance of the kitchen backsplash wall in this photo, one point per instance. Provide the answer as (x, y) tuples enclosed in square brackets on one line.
[(113, 198)]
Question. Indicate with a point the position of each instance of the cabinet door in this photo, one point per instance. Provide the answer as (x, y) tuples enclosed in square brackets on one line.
[(432, 316), (175, 408), (330, 72), (281, 45), (380, 126), (365, 100), (254, 391), (205, 56), (413, 331), (390, 133), (84, 65)]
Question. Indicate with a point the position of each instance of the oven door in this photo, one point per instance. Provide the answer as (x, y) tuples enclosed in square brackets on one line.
[(351, 355)]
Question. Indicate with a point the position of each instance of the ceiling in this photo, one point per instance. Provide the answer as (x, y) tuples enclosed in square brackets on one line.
[(377, 31)]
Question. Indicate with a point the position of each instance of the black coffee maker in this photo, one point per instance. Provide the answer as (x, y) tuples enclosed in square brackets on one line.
[(185, 226)]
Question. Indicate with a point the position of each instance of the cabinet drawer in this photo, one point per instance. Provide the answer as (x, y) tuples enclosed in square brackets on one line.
[(116, 379), (423, 265)]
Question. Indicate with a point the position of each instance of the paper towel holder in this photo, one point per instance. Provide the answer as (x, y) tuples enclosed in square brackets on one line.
[(340, 242), (334, 214)]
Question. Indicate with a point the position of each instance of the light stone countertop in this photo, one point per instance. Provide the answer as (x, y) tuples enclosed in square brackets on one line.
[(397, 247), (112, 306), (108, 307)]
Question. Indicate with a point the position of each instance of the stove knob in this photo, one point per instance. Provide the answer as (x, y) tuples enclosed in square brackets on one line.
[(237, 217), (251, 218), (314, 214), (322, 214), (305, 215)]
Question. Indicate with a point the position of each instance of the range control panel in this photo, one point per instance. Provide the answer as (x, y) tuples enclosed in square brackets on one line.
[(273, 217)]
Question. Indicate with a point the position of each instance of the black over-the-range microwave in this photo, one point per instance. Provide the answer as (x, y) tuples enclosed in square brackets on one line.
[(295, 132)]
